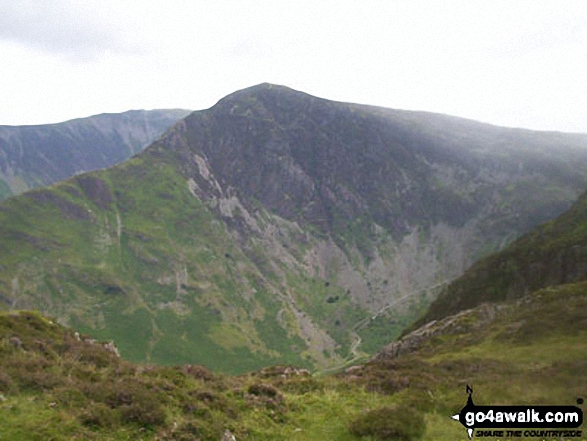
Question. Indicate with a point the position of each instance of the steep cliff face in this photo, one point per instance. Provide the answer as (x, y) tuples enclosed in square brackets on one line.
[(328, 163), (279, 227), (34, 156)]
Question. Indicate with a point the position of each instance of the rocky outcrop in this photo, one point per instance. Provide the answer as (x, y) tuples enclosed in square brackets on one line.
[(464, 322)]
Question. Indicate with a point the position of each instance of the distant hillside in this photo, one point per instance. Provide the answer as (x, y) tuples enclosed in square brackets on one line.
[(555, 253), (277, 227), (39, 155)]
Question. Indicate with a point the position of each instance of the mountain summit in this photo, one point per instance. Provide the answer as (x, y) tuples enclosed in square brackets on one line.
[(325, 162), (279, 227)]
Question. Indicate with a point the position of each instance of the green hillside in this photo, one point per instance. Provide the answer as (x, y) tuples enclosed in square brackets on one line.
[(531, 350), (119, 267)]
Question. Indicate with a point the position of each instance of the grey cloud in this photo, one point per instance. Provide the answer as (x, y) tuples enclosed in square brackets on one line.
[(79, 30)]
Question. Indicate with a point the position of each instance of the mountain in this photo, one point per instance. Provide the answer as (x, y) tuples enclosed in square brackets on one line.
[(553, 254), (39, 155), (277, 227)]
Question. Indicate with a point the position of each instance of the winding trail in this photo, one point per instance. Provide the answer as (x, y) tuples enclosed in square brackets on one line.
[(356, 339)]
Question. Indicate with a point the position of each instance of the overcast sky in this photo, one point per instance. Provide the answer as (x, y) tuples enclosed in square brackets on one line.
[(514, 63)]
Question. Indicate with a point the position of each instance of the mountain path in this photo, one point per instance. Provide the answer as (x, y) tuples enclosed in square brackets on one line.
[(356, 338)]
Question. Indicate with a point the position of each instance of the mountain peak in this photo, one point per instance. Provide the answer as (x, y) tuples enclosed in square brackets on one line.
[(266, 88), (269, 86), (265, 95)]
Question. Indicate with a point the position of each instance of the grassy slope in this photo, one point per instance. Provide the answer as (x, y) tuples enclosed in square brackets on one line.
[(531, 352), (151, 268)]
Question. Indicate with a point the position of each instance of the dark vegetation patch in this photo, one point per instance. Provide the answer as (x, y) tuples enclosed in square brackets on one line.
[(69, 209), (96, 189), (86, 379), (387, 423), (73, 191), (112, 290), (43, 244)]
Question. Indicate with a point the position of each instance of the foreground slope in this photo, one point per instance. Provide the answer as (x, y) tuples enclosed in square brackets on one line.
[(531, 351), (279, 227), (39, 155), (59, 385)]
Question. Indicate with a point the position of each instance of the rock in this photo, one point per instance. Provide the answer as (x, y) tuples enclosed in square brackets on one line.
[(15, 341), (228, 436), (462, 323), (354, 369), (111, 347)]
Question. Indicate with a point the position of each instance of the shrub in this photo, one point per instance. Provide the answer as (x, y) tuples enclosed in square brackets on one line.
[(97, 355), (386, 423), (137, 403), (388, 384), (6, 384), (135, 400), (70, 395), (98, 415), (41, 381), (128, 392), (263, 390), (265, 396), (214, 381), (146, 413), (301, 385)]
